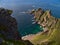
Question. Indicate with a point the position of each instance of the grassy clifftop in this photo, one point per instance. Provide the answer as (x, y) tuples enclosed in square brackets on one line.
[(51, 26)]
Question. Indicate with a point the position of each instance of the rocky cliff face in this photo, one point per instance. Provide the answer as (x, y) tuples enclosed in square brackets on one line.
[(8, 25), (9, 34), (51, 28), (45, 19)]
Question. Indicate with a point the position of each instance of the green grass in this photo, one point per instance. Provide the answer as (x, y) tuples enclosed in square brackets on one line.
[(53, 36), (10, 42), (52, 39)]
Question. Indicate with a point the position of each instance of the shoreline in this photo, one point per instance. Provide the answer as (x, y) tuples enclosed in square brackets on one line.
[(31, 36)]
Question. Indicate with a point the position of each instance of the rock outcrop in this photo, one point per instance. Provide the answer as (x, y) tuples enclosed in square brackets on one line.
[(45, 19), (8, 25)]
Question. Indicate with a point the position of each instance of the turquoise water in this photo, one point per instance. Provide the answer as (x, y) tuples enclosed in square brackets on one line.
[(25, 26), (32, 29), (24, 21)]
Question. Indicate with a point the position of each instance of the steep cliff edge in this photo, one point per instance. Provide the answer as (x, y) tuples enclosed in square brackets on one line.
[(9, 34), (8, 25), (51, 28)]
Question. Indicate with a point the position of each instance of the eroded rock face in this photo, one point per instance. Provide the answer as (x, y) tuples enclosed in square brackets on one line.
[(8, 25), (44, 18), (51, 27)]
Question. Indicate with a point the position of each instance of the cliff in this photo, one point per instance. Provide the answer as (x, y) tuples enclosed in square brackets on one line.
[(8, 25), (51, 28), (9, 34)]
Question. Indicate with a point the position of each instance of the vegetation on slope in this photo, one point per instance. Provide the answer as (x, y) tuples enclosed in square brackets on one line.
[(51, 25)]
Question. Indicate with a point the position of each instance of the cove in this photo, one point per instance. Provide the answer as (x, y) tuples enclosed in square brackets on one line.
[(32, 29), (25, 25)]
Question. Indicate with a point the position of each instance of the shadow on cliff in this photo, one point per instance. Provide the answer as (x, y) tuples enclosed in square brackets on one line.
[(28, 42), (8, 28)]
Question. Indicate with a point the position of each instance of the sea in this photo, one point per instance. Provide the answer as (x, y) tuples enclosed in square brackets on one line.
[(25, 20)]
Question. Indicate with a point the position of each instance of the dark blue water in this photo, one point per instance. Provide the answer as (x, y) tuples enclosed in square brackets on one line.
[(24, 20)]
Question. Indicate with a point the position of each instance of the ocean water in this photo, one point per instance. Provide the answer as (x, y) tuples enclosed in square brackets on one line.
[(24, 20)]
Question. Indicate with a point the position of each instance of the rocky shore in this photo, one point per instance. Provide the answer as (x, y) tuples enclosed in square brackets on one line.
[(50, 24), (9, 34)]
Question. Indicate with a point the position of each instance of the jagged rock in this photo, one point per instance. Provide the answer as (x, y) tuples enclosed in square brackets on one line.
[(51, 28), (44, 18), (37, 14)]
